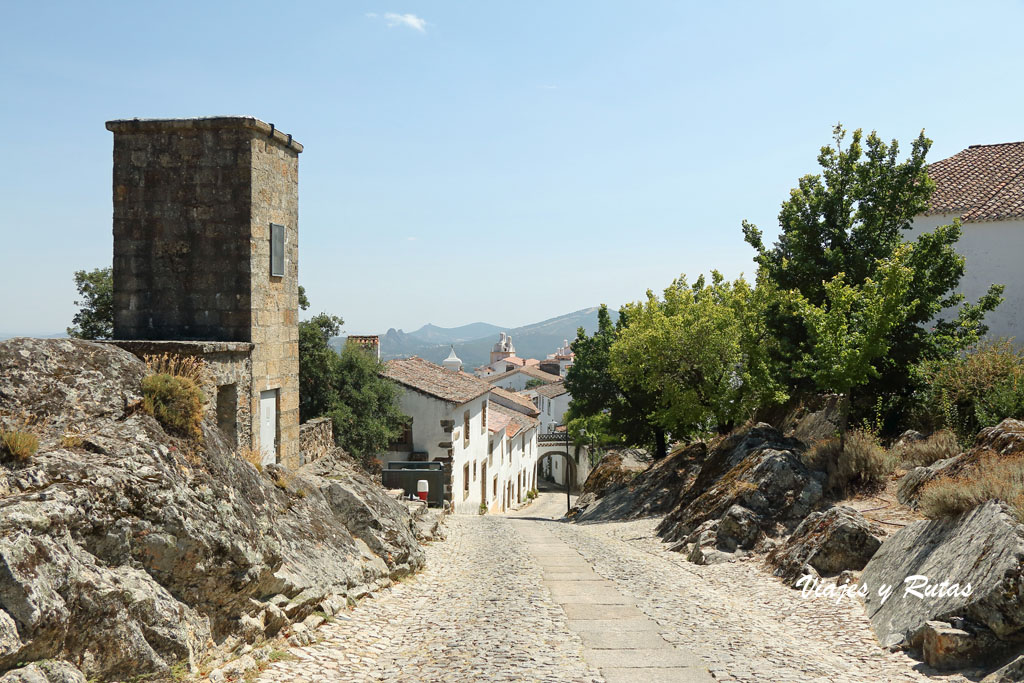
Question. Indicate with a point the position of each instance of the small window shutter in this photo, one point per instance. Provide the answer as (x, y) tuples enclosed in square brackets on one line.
[(276, 250)]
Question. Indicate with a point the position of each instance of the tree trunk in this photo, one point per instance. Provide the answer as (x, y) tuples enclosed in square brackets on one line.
[(844, 418), (660, 448)]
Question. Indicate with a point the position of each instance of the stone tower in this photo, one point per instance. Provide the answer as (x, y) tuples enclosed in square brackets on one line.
[(206, 250)]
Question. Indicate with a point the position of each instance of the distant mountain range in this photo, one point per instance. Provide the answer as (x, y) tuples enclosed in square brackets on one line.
[(473, 342)]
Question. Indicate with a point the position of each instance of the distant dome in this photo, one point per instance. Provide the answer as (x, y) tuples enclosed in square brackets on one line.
[(452, 362)]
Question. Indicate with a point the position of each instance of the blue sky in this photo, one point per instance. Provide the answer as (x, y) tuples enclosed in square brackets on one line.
[(503, 162)]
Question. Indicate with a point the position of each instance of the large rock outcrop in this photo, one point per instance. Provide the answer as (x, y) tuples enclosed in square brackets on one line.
[(974, 568), (124, 550), (828, 542), (643, 492), (616, 469), (757, 470)]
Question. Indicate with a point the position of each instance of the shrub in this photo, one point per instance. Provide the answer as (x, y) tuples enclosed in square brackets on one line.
[(483, 508), (862, 465), (974, 391), (993, 478), (175, 402), (19, 444), (940, 445)]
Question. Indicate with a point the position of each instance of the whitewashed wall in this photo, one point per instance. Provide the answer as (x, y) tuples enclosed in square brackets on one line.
[(994, 254)]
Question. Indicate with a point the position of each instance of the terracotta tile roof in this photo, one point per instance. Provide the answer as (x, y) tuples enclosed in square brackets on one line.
[(552, 390), (523, 402), (433, 380), (981, 183), (528, 370), (497, 421), (516, 420)]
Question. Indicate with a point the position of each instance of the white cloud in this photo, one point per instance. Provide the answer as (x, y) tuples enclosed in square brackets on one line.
[(548, 87), (410, 239), (410, 20)]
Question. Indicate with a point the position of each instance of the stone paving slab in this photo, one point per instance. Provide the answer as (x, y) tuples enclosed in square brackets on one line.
[(570, 596), (582, 594), (653, 675), (614, 625), (628, 658), (610, 639), (555, 574), (575, 610)]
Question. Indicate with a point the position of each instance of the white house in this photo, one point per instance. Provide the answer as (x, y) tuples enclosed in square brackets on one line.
[(449, 411), (512, 457), (517, 379), (564, 357), (983, 186), (552, 401)]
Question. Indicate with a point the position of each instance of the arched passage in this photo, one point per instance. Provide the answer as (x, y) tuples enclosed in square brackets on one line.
[(567, 471)]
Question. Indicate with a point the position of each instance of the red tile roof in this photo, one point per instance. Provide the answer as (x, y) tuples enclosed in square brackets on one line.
[(981, 183), (529, 370), (516, 420), (552, 390), (433, 380), (524, 403)]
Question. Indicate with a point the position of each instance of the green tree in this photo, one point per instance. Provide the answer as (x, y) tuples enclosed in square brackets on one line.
[(849, 219), (346, 387), (850, 330), (95, 316), (698, 350), (366, 414), (594, 391), (318, 365)]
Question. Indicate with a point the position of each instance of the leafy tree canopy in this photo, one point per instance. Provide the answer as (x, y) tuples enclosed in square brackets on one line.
[(851, 220), (95, 316), (347, 387), (594, 391)]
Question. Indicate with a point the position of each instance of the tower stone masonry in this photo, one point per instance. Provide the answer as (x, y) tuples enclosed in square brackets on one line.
[(206, 263)]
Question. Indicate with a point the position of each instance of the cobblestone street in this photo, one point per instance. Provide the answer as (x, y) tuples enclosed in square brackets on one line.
[(521, 598)]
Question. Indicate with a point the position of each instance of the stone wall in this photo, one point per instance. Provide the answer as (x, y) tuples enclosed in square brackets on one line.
[(316, 439), (181, 230), (227, 363), (275, 300)]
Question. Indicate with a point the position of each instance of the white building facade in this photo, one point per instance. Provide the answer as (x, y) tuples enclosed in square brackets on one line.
[(552, 402), (983, 187), (453, 421)]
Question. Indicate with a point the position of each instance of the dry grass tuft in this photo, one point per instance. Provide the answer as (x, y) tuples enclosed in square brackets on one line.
[(189, 367), (20, 445), (939, 446), (863, 465), (252, 456), (20, 441), (992, 478)]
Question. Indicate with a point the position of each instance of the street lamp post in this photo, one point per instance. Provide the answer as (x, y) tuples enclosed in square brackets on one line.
[(568, 482)]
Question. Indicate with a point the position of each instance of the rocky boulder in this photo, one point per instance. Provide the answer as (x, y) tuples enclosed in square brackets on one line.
[(756, 469), (652, 491), (908, 490), (967, 572), (829, 542), (616, 468), (124, 550)]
